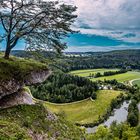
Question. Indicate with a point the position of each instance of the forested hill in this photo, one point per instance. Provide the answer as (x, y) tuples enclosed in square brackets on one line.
[(115, 59), (73, 61)]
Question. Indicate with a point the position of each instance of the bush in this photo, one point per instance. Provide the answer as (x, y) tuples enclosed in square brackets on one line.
[(133, 113)]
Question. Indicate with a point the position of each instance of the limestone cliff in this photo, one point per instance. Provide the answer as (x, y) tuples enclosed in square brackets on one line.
[(16, 74)]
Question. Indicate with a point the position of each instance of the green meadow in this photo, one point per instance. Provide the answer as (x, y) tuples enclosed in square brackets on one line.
[(136, 82), (124, 77), (85, 73), (85, 111), (88, 110)]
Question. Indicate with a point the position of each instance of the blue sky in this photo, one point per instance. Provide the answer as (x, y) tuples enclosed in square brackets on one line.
[(104, 25)]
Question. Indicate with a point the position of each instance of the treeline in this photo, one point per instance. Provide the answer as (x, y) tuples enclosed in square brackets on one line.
[(65, 88), (116, 131), (133, 113), (108, 73), (128, 59), (120, 86), (123, 59)]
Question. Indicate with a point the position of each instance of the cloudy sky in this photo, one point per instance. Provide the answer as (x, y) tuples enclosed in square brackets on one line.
[(106, 25)]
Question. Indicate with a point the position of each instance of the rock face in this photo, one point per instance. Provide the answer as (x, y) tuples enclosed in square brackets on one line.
[(10, 90), (37, 77), (9, 86), (21, 97)]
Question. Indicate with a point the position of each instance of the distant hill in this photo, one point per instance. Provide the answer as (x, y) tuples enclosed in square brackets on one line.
[(88, 60)]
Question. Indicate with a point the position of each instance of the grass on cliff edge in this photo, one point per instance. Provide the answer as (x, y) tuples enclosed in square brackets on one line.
[(86, 111), (18, 67), (21, 121)]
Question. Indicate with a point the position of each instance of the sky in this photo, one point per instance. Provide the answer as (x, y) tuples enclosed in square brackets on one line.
[(104, 25)]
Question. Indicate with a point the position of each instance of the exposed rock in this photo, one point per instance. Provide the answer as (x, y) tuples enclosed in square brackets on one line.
[(36, 136), (21, 97), (37, 77), (8, 87), (51, 116)]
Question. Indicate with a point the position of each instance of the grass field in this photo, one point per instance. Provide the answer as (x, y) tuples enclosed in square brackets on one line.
[(85, 73), (124, 77), (86, 111), (136, 82)]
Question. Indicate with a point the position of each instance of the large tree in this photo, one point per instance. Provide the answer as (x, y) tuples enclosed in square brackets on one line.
[(41, 23)]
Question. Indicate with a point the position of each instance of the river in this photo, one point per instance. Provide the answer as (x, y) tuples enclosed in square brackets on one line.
[(119, 115)]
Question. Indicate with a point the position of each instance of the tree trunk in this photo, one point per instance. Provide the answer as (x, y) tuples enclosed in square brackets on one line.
[(7, 53)]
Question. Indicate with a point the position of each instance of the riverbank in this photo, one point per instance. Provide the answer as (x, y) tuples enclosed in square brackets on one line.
[(119, 115)]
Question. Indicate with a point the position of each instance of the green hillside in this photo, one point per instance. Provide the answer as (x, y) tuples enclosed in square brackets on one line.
[(85, 111), (26, 122), (19, 67)]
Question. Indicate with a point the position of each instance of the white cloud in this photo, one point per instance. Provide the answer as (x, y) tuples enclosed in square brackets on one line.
[(109, 18), (108, 13), (97, 48)]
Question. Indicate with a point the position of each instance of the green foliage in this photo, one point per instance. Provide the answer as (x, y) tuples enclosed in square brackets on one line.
[(12, 131), (17, 122), (123, 59), (64, 88), (133, 113), (115, 132), (109, 73)]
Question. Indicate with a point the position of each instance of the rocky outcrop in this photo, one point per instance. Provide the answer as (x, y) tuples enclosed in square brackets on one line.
[(10, 90), (11, 86), (37, 77), (18, 98)]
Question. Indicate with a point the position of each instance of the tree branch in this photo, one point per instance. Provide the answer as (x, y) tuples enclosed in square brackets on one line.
[(3, 24)]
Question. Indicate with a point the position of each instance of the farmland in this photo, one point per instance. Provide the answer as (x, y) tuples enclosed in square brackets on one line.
[(85, 73), (85, 111), (124, 77)]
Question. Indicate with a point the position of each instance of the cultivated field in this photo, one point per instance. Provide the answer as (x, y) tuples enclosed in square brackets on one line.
[(86, 111), (124, 77), (85, 73)]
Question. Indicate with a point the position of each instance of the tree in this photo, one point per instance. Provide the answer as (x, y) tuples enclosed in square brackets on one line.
[(40, 23), (132, 119)]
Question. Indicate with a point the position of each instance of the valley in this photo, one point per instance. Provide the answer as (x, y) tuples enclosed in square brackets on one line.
[(88, 110), (80, 100), (69, 70)]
